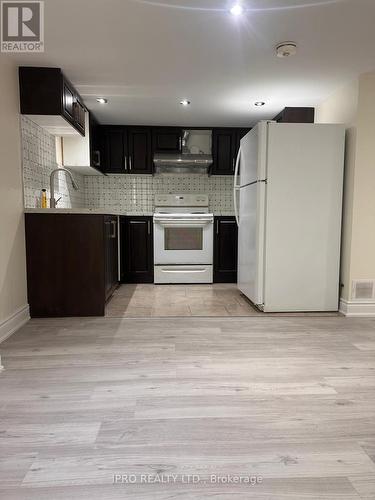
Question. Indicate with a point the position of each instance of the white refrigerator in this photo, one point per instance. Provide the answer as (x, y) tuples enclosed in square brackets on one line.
[(288, 190)]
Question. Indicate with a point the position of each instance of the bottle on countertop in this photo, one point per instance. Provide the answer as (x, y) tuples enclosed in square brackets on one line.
[(43, 199)]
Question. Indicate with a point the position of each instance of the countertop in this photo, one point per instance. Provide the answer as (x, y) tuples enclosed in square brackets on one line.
[(95, 211), (98, 211)]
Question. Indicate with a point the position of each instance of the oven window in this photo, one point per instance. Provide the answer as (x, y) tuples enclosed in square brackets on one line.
[(183, 238)]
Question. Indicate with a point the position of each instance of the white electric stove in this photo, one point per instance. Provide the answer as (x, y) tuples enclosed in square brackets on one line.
[(183, 239)]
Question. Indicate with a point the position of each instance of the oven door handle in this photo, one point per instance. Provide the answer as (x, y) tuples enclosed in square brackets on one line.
[(182, 270), (182, 223)]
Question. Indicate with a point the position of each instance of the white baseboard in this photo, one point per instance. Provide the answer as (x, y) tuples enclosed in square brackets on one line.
[(14, 322), (356, 308)]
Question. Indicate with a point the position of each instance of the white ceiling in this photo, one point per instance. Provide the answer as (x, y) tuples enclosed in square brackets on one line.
[(145, 56)]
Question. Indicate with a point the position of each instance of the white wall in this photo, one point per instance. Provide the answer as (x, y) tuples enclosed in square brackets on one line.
[(39, 159), (13, 295), (363, 229), (342, 107), (354, 105)]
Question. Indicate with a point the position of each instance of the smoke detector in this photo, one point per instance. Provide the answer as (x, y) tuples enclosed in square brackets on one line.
[(286, 49)]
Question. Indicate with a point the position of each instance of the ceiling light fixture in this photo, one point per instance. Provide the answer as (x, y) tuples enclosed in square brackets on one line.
[(236, 10), (286, 49), (101, 100), (259, 103), (185, 102)]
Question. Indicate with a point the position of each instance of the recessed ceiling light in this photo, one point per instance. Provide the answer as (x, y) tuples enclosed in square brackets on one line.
[(101, 100), (236, 10), (185, 102), (259, 103)]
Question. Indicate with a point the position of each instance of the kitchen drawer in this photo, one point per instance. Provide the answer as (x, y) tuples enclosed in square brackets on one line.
[(183, 274)]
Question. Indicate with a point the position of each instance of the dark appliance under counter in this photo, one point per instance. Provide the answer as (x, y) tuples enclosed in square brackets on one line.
[(72, 263)]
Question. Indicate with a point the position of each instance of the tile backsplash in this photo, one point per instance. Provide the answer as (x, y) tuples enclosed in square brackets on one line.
[(130, 194), (135, 193), (39, 159)]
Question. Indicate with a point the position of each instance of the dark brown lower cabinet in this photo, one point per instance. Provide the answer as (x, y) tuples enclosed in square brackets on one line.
[(71, 263), (111, 254), (225, 250), (137, 253)]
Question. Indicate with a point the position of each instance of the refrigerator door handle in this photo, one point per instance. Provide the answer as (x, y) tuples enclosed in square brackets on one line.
[(235, 190), (236, 187), (236, 170)]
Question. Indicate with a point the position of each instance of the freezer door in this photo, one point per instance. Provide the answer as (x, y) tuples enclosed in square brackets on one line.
[(251, 241), (303, 228), (253, 155)]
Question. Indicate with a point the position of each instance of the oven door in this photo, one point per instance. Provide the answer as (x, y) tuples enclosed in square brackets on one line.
[(183, 240)]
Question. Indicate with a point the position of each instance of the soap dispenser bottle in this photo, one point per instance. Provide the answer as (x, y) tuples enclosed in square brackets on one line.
[(43, 199)]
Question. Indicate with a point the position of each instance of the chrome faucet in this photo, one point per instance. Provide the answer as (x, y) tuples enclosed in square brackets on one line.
[(53, 202)]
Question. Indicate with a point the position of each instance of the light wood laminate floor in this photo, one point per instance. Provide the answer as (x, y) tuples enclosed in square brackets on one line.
[(287, 399)]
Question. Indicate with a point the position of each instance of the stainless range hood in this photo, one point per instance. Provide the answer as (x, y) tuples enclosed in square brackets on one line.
[(182, 163), (195, 156)]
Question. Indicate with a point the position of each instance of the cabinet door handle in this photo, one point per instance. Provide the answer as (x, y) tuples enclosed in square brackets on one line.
[(148, 227), (233, 163), (96, 158), (217, 227), (126, 163), (75, 111), (114, 229), (130, 163), (180, 143)]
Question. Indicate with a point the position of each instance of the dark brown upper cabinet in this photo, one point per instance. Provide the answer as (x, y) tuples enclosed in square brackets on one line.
[(96, 147), (79, 151), (223, 151), (296, 115), (225, 145), (68, 101), (167, 140), (124, 150), (115, 149), (51, 100), (79, 115), (139, 150)]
